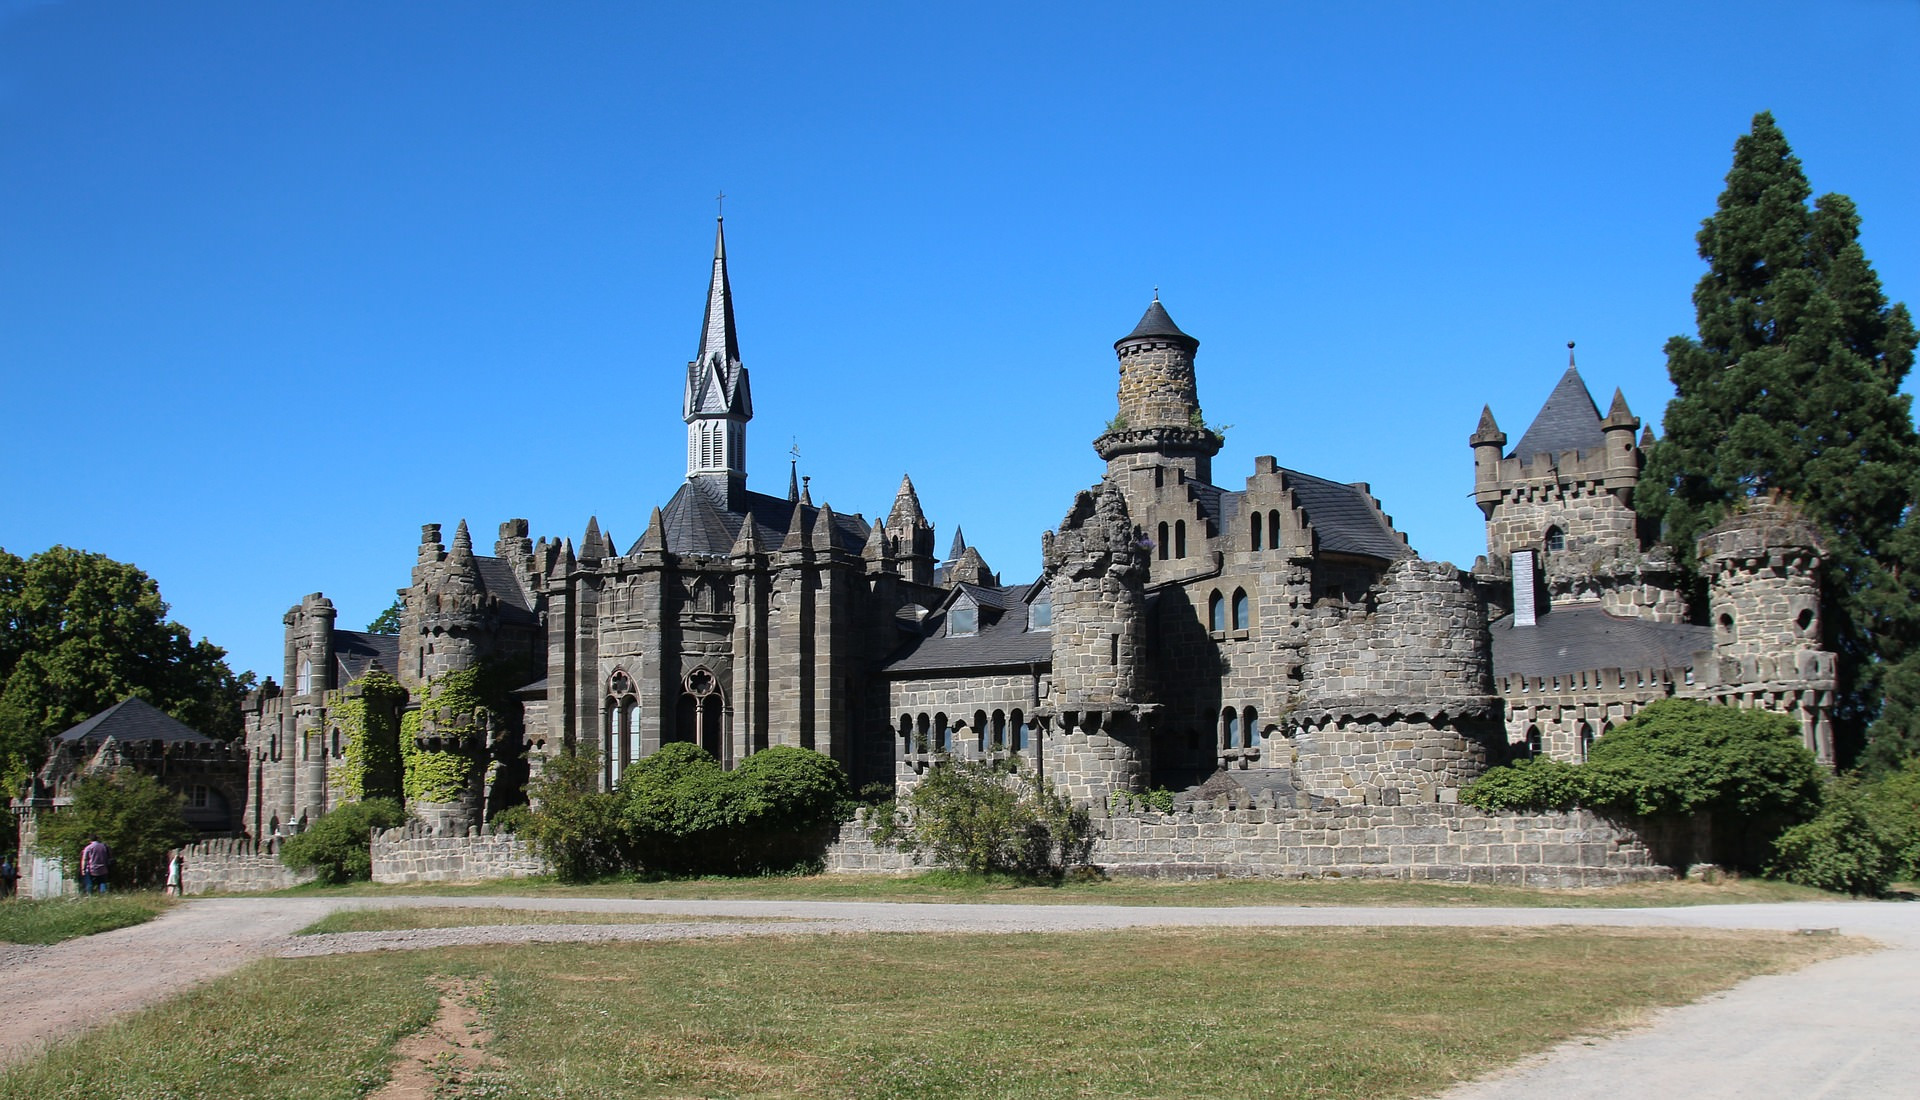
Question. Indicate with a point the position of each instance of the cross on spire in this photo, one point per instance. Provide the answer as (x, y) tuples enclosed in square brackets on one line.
[(720, 204)]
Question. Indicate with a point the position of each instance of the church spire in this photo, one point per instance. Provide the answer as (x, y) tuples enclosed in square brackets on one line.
[(717, 403)]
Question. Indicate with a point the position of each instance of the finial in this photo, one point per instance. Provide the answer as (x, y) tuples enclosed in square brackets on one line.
[(720, 206), (1569, 353), (1156, 293)]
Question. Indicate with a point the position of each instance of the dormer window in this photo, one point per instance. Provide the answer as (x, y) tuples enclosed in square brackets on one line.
[(1040, 612), (964, 619)]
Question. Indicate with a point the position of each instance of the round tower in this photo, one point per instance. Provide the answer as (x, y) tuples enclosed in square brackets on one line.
[(1763, 590), (1158, 422), (1096, 568)]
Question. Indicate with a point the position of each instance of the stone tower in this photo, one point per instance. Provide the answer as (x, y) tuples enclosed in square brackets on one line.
[(1096, 568), (1158, 422), (1763, 583), (448, 610), (718, 402)]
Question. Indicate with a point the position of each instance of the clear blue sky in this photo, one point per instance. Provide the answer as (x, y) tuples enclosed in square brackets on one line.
[(279, 282)]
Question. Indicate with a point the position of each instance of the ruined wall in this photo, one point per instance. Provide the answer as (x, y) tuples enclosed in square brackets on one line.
[(238, 866)]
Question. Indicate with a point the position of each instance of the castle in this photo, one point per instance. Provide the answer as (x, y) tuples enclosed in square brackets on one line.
[(1278, 637)]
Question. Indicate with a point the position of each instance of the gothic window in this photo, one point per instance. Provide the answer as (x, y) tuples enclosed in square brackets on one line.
[(1249, 727), (1229, 728), (1163, 542), (1240, 609), (1556, 540), (1216, 613), (1533, 741), (1180, 538), (1586, 740), (1273, 529), (1258, 522)]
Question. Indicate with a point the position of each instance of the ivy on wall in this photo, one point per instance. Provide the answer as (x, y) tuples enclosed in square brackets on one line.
[(447, 776), (368, 721)]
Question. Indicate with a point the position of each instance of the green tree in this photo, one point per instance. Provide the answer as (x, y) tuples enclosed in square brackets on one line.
[(388, 621), (1851, 847), (338, 845), (137, 818), (78, 633), (1792, 384), (575, 826)]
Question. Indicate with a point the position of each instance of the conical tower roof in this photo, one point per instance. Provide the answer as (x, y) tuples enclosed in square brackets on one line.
[(1155, 324), (1569, 421)]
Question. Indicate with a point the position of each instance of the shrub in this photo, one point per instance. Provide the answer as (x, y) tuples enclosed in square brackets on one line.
[(577, 828), (689, 816), (988, 818), (338, 845), (1895, 797), (1535, 783), (1849, 847), (137, 818), (511, 820)]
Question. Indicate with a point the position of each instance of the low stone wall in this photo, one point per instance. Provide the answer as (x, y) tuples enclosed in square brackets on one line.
[(1429, 842), (238, 866), (415, 853)]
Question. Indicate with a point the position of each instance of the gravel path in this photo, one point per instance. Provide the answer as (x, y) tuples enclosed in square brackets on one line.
[(1842, 1028)]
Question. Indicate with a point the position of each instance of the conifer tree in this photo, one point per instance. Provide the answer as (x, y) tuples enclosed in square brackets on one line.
[(1792, 385)]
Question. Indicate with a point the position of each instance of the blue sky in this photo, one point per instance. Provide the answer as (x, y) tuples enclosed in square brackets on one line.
[(280, 282)]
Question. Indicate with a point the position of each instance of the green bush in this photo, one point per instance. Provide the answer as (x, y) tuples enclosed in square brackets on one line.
[(1535, 783), (1850, 847), (988, 818), (689, 816), (137, 818), (577, 827), (511, 820), (1896, 798), (338, 844)]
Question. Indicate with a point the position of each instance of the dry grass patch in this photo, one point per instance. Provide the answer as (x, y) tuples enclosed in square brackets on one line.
[(406, 918), (1325, 1013)]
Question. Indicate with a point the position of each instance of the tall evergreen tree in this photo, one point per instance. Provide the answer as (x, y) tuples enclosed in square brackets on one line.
[(1792, 385)]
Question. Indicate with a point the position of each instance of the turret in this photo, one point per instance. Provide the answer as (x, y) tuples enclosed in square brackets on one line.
[(1623, 457), (1158, 422), (912, 535), (450, 614), (309, 648), (1488, 443)]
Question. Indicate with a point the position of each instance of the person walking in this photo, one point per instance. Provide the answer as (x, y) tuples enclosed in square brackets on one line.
[(177, 875), (94, 859), (9, 876)]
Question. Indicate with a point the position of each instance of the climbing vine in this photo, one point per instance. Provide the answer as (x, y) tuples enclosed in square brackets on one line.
[(368, 720), (448, 776)]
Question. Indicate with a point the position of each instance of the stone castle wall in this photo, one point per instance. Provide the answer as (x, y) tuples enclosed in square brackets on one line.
[(415, 853), (1255, 839), (238, 866)]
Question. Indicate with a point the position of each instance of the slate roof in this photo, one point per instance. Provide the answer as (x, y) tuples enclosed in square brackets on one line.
[(134, 719), (1003, 642), (1343, 516), (1569, 421), (501, 580), (355, 651), (1576, 639), (1155, 322), (699, 521)]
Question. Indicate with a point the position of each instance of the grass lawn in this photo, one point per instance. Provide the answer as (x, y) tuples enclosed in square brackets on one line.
[(1360, 1013), (946, 886), (50, 920), (401, 919)]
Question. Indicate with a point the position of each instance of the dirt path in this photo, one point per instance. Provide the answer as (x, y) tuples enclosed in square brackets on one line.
[(1840, 1028)]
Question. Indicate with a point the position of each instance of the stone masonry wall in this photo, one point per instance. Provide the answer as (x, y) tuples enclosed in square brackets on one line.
[(414, 853), (238, 866), (1434, 843)]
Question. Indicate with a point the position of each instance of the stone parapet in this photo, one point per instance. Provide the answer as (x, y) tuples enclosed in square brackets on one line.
[(238, 866), (416, 853)]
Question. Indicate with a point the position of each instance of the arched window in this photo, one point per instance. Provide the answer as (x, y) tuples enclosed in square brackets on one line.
[(1179, 538), (980, 729), (1229, 729), (943, 733), (999, 740), (306, 678), (923, 736), (1249, 727), (1216, 613), (1726, 626), (1163, 542), (1273, 529), (1533, 741), (1255, 532), (336, 743), (1240, 609), (1556, 539), (1586, 740), (1019, 732)]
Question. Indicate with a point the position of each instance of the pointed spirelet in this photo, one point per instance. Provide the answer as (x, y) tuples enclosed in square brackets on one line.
[(878, 547), (590, 543), (1489, 430), (793, 481), (654, 539), (462, 541), (747, 543), (959, 546), (1618, 410), (906, 505), (797, 536), (823, 524), (717, 338)]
